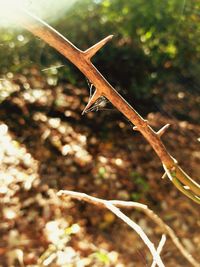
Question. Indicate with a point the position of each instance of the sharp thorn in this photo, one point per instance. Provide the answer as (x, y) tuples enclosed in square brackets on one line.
[(91, 101), (135, 128), (164, 176), (186, 187), (163, 130), (90, 52)]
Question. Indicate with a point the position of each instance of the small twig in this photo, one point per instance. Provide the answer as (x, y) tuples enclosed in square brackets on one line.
[(141, 207), (53, 67), (160, 247), (119, 214)]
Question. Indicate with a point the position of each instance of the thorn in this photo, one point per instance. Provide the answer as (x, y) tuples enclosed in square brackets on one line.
[(163, 130), (175, 160), (90, 52), (164, 176), (135, 128), (186, 187), (91, 101)]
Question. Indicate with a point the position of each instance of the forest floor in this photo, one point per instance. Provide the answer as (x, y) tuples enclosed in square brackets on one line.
[(47, 145)]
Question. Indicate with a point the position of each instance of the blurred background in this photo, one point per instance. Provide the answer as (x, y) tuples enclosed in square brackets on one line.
[(46, 145)]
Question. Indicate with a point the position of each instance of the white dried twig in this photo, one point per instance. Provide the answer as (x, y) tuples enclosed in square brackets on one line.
[(119, 214), (141, 207), (160, 247)]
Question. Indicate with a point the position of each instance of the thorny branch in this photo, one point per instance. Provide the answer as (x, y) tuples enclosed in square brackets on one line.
[(180, 179), (81, 59), (128, 205)]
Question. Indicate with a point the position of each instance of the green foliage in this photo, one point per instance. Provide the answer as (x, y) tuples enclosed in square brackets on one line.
[(102, 257), (101, 172), (141, 184), (155, 42)]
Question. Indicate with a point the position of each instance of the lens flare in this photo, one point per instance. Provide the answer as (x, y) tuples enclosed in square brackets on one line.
[(49, 10)]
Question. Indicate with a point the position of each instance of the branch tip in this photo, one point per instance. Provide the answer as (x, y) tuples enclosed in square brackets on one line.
[(90, 52), (163, 130)]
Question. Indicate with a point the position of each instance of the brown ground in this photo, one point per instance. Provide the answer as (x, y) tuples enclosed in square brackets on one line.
[(46, 145)]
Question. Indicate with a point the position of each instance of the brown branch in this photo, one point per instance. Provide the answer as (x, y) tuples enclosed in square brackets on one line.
[(130, 204), (81, 59)]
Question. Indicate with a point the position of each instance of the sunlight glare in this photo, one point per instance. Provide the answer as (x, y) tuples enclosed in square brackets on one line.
[(48, 10)]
